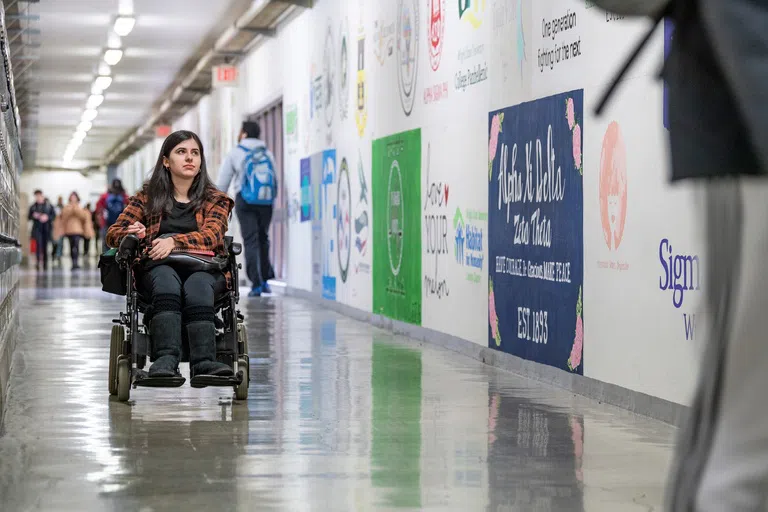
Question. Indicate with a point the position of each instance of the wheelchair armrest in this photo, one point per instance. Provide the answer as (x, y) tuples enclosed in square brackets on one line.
[(236, 249), (129, 249), (189, 262)]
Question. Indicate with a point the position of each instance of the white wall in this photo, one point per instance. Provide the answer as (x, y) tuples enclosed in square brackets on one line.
[(608, 228), (62, 183)]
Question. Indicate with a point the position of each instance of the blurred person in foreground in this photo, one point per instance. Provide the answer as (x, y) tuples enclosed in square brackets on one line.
[(717, 74), (717, 79)]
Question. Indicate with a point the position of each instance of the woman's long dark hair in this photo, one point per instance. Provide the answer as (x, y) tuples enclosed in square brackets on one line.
[(159, 188)]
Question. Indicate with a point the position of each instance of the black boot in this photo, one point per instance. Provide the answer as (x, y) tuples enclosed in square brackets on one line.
[(202, 352), (166, 343)]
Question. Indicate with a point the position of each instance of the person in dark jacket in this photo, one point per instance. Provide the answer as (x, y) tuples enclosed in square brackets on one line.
[(42, 215)]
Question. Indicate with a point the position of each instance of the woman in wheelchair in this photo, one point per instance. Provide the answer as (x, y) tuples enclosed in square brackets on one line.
[(179, 209)]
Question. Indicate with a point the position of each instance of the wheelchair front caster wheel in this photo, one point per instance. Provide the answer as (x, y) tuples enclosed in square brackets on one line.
[(123, 380), (241, 390)]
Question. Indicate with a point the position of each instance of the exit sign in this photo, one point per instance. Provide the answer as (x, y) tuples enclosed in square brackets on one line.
[(225, 76), (162, 131)]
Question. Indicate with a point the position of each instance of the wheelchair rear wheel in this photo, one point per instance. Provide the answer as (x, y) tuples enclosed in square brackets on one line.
[(241, 390), (115, 349)]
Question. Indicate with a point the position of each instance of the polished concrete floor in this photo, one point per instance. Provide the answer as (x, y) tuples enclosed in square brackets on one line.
[(340, 416)]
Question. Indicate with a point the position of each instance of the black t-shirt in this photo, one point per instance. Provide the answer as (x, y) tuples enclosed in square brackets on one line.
[(181, 220)]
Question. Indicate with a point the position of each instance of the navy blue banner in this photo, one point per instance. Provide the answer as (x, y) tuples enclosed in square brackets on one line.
[(535, 230)]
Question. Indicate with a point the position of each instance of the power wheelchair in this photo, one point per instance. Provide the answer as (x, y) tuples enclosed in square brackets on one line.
[(131, 342)]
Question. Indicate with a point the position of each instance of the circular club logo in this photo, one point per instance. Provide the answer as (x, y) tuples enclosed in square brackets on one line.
[(343, 220), (436, 31), (613, 186), (344, 71), (407, 53), (395, 218), (329, 76)]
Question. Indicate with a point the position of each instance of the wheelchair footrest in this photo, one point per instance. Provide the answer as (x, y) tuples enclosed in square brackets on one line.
[(203, 381), (144, 380)]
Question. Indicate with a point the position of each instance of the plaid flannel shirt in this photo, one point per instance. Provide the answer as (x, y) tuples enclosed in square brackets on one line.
[(212, 221)]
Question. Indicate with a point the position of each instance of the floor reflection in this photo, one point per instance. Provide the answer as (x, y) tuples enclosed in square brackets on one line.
[(534, 456), (396, 444), (340, 416)]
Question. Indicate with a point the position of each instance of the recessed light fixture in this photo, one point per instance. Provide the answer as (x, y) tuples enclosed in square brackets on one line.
[(113, 56), (124, 25), (90, 114), (94, 101), (101, 84), (85, 126)]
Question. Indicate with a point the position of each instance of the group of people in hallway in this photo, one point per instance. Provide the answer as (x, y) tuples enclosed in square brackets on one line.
[(77, 224)]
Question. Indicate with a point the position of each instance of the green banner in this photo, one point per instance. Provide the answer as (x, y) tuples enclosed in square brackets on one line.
[(396, 194)]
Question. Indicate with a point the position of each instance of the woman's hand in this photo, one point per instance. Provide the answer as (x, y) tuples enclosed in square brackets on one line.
[(137, 228), (161, 248)]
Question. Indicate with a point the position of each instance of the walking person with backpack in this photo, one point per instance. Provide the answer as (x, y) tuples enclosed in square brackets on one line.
[(109, 207), (250, 168)]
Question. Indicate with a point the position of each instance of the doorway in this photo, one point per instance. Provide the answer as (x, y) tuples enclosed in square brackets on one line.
[(270, 120)]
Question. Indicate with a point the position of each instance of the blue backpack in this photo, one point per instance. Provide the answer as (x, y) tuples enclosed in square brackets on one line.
[(115, 206), (259, 179)]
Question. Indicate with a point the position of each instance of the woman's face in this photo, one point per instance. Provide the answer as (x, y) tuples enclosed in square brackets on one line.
[(73, 199), (184, 160)]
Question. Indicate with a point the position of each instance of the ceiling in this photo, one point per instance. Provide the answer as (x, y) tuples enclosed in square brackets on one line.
[(64, 59)]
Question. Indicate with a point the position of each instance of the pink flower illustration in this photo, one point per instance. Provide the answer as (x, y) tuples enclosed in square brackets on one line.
[(493, 141), (578, 340), (493, 318), (578, 344), (577, 146), (570, 113)]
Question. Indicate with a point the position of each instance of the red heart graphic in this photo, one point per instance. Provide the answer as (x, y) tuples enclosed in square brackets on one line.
[(446, 194)]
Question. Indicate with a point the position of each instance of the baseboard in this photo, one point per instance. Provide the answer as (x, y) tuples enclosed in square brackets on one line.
[(8, 335), (636, 402)]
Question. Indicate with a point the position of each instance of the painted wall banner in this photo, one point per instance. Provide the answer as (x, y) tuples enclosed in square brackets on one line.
[(316, 180), (344, 220), (306, 190), (396, 194), (362, 227), (344, 70), (535, 230), (407, 52), (328, 219), (361, 112)]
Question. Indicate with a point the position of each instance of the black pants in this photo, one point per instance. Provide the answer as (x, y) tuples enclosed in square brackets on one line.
[(254, 225), (42, 237), (173, 290), (86, 246), (74, 247)]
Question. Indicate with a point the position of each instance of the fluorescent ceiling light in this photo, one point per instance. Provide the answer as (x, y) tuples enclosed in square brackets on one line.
[(79, 136), (113, 56), (101, 84), (124, 25), (94, 101), (84, 126), (90, 115)]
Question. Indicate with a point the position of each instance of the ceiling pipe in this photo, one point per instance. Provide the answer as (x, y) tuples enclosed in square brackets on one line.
[(227, 37)]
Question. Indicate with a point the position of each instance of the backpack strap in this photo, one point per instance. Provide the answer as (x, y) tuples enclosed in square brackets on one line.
[(668, 10)]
